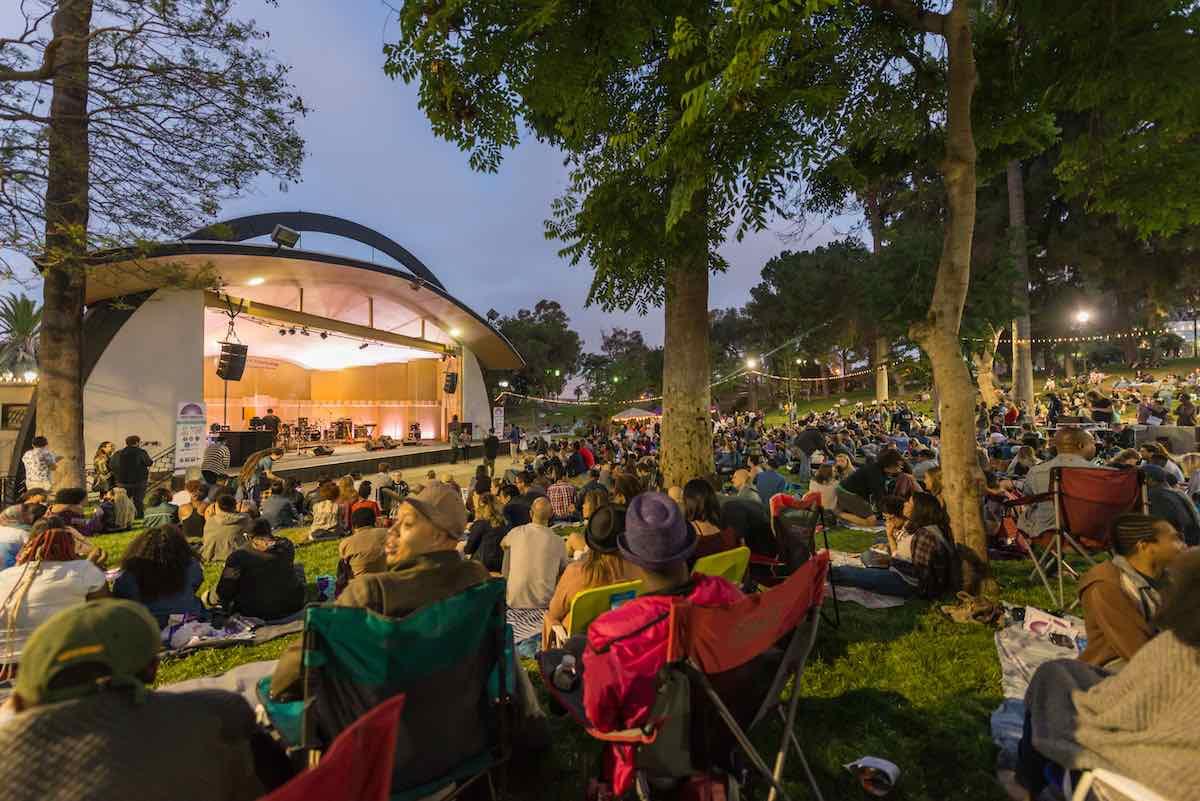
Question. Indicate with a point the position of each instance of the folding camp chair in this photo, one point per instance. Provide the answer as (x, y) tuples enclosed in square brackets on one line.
[(444, 653), (730, 565), (588, 605), (1086, 500), (357, 767), (1104, 785), (795, 524), (725, 675)]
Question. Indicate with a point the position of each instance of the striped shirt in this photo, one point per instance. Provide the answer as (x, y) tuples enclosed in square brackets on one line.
[(216, 458)]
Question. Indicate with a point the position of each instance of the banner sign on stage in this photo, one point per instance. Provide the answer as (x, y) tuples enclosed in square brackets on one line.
[(191, 423), (498, 420)]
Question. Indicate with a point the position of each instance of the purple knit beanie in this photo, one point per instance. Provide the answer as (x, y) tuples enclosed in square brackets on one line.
[(656, 535)]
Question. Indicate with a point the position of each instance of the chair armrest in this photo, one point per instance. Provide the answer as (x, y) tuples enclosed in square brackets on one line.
[(1025, 500), (627, 736)]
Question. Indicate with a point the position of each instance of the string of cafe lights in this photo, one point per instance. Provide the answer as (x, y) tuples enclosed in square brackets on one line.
[(1133, 333)]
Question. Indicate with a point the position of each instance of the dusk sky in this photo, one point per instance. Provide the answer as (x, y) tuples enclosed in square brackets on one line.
[(372, 159)]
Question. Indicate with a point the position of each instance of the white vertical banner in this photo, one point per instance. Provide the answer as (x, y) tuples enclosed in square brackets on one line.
[(498, 420), (191, 422)]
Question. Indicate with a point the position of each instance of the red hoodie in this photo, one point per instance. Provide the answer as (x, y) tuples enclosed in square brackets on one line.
[(625, 650)]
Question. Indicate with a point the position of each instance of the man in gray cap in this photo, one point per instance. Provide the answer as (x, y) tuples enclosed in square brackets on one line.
[(423, 566)]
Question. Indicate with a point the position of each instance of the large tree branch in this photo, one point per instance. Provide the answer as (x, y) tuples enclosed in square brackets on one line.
[(912, 14)]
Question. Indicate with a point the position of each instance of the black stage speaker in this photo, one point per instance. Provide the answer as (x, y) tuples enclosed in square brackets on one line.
[(450, 384), (232, 363)]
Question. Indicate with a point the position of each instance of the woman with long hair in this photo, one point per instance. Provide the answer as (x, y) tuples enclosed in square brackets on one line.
[(703, 512), (601, 565), (488, 528), (49, 575), (257, 472), (923, 562), (161, 571), (102, 477)]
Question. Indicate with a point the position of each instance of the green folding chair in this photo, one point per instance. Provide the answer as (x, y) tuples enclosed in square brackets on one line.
[(453, 660), (729, 564)]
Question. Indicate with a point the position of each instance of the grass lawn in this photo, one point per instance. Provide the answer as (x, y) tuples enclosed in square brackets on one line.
[(904, 684)]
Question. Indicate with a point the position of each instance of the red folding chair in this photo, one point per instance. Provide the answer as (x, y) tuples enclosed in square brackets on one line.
[(795, 522), (726, 671), (357, 766), (1086, 500)]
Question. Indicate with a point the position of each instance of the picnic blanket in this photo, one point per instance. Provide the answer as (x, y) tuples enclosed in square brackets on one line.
[(184, 637), (242, 680), (864, 598), (1022, 648)]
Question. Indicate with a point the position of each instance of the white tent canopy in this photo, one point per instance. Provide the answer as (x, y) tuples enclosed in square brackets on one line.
[(634, 413)]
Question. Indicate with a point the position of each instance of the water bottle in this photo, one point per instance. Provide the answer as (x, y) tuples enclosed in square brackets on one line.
[(566, 675)]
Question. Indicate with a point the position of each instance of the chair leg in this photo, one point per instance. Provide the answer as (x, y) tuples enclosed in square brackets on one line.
[(1038, 570), (795, 742), (837, 609)]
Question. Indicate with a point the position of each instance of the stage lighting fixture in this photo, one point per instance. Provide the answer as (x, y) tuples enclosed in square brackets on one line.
[(363, 346), (282, 333), (454, 332), (285, 237), (324, 335), (292, 331), (257, 280), (416, 285), (304, 331)]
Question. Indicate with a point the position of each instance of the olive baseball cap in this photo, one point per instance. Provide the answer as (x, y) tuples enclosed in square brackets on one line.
[(120, 635), (443, 505)]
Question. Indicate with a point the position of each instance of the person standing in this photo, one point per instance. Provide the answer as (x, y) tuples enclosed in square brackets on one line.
[(102, 477), (491, 449), (452, 433), (39, 464), (131, 469), (514, 442), (271, 422), (215, 464)]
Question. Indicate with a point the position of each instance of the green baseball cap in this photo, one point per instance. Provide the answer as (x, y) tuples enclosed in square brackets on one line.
[(120, 635)]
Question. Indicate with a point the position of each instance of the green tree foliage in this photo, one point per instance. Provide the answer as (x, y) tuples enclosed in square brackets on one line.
[(551, 349), (20, 324), (625, 369)]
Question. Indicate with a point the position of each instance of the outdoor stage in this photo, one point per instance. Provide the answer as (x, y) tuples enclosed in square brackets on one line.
[(348, 459)]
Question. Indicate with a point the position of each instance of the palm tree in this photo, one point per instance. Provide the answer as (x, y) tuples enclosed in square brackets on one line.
[(20, 323)]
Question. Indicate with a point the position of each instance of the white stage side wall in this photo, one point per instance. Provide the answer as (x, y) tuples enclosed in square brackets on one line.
[(154, 362), (477, 407)]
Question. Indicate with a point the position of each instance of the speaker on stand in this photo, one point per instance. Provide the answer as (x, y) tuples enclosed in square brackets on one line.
[(230, 366)]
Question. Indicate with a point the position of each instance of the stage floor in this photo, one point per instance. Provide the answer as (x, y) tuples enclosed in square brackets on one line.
[(354, 458)]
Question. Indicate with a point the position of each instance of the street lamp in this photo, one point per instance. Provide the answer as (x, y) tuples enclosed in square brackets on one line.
[(503, 385), (1082, 316), (751, 362)]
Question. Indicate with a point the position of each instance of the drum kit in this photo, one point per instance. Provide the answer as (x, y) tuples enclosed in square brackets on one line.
[(304, 435)]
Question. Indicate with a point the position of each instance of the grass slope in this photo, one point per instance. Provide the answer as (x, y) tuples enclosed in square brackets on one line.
[(905, 684)]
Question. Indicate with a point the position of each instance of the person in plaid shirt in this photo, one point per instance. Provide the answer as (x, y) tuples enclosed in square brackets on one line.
[(923, 562), (561, 494)]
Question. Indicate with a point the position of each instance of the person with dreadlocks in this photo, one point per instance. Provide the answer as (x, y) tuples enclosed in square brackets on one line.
[(49, 576), (256, 474), (1120, 597), (162, 572)]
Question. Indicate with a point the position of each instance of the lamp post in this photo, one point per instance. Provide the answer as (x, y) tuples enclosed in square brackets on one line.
[(1081, 318), (752, 364)]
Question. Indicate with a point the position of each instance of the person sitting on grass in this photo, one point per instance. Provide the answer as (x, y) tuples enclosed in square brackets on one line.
[(118, 511), (488, 528), (1120, 597), (68, 505), (1139, 723), (703, 512), (261, 579), (84, 722), (14, 532), (862, 490), (561, 494), (365, 490), (159, 511), (361, 552), (225, 531), (535, 559), (923, 562), (1170, 504), (743, 485), (627, 646), (601, 565), (327, 514), (161, 571), (277, 508), (49, 575)]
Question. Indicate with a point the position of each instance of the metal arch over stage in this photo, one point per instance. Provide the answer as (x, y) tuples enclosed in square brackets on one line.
[(256, 225)]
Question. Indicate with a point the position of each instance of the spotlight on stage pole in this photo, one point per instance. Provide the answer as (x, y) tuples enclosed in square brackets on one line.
[(363, 346), (285, 237)]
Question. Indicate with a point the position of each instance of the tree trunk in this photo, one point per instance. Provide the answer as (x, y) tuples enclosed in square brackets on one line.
[(1069, 364), (938, 334), (1022, 352), (686, 428), (882, 348), (60, 389)]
